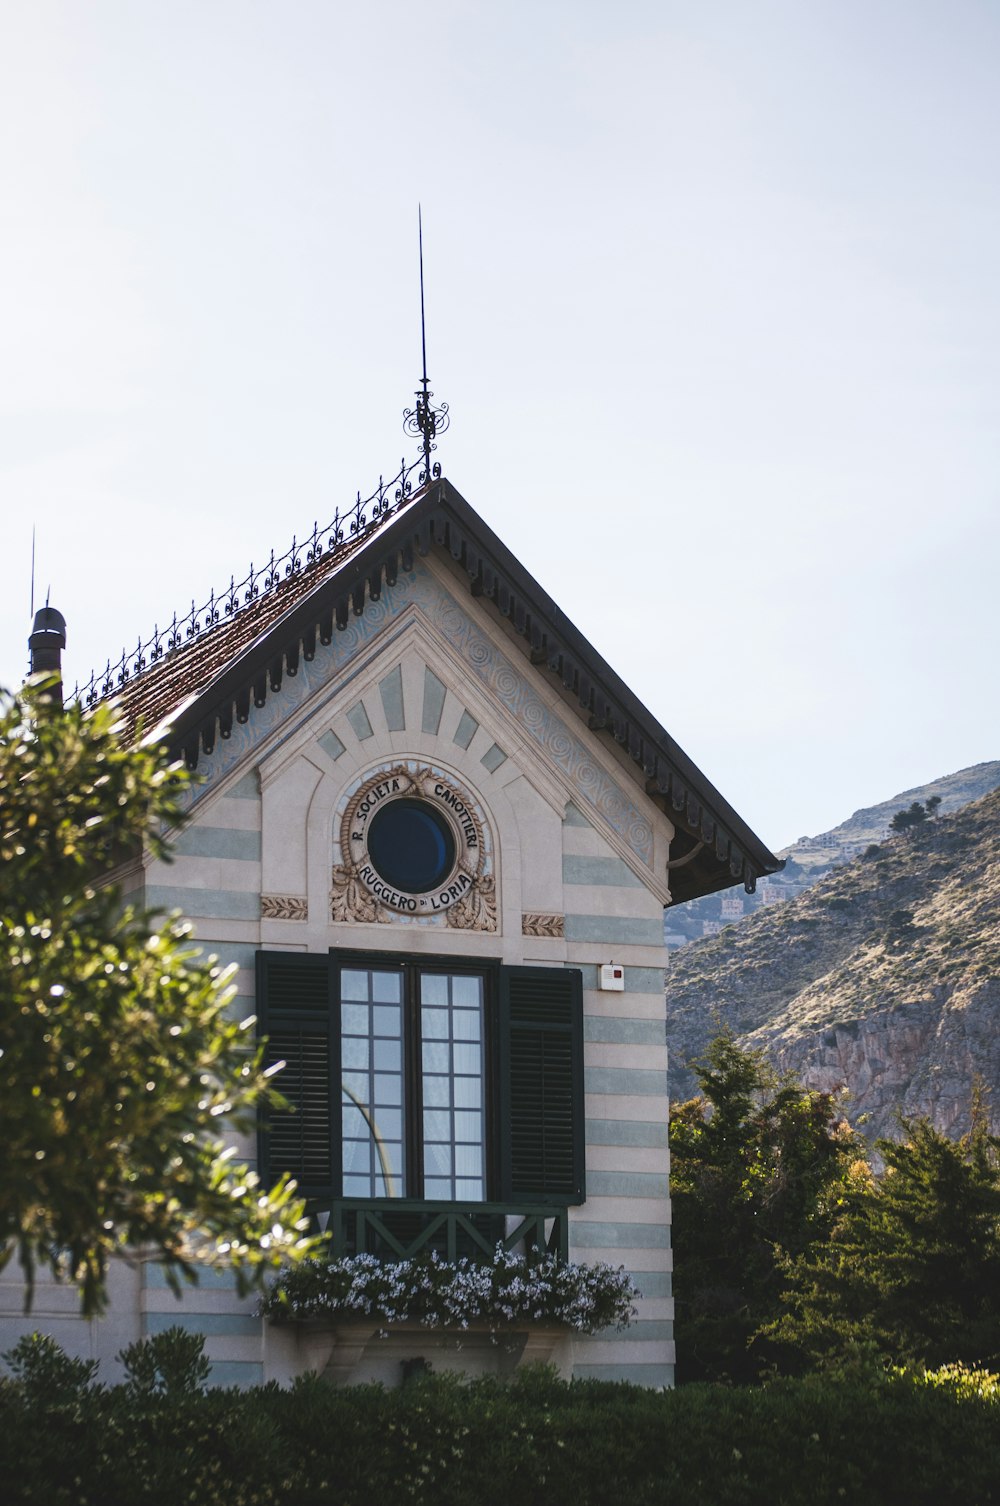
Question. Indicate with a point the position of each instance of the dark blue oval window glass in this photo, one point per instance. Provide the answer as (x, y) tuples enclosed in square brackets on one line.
[(411, 845)]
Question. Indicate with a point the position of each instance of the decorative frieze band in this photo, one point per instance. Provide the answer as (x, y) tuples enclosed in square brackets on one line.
[(543, 925), (284, 907)]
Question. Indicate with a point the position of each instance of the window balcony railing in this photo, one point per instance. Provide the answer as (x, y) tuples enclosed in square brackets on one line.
[(399, 1228)]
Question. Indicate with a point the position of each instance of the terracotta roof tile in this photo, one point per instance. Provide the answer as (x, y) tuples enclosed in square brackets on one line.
[(157, 691)]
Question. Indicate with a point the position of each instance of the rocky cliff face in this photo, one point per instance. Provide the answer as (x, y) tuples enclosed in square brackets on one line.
[(883, 978), (811, 858)]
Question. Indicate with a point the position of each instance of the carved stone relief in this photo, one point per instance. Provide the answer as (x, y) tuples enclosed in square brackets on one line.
[(463, 898), (543, 925), (284, 907)]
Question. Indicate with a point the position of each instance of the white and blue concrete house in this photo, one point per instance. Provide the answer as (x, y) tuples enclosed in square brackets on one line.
[(436, 834)]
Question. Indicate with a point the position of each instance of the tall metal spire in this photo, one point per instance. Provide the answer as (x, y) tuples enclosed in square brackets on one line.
[(425, 421)]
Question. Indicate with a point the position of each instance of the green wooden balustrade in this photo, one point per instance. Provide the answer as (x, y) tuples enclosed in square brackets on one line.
[(398, 1228)]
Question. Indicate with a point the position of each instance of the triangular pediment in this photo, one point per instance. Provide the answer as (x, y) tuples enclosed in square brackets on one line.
[(436, 685), (225, 686)]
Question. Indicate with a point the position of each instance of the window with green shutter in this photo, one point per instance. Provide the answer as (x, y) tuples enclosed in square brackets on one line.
[(541, 1084), (441, 1079), (296, 1006)]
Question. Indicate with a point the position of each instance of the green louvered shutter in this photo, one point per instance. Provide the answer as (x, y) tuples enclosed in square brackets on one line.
[(295, 1010), (541, 1084)]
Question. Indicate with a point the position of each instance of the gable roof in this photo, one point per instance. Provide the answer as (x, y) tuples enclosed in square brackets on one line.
[(225, 669)]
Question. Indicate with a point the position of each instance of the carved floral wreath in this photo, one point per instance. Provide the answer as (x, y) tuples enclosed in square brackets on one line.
[(467, 895)]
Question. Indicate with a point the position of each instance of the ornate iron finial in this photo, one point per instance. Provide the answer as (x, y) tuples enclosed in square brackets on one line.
[(425, 421)]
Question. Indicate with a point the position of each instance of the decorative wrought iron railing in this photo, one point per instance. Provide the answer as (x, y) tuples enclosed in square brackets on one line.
[(398, 1228), (345, 530)]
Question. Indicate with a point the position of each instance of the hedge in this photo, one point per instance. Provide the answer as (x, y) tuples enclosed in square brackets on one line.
[(850, 1442)]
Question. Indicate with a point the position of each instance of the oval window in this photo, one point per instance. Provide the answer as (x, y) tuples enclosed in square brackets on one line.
[(411, 845)]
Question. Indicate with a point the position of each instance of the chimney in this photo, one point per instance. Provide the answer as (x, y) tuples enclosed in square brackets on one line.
[(47, 641)]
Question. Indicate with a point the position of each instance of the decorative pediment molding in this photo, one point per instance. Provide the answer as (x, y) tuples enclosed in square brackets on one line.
[(420, 617)]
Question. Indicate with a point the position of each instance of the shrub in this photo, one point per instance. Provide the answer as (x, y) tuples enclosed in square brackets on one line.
[(171, 1363), (45, 1372), (961, 1381)]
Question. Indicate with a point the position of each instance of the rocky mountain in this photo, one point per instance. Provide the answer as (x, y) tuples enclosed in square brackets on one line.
[(883, 977), (811, 858)]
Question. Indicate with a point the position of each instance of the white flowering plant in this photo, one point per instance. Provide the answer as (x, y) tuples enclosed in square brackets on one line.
[(512, 1289)]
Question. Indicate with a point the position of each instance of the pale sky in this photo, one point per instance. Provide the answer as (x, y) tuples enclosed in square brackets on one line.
[(711, 291)]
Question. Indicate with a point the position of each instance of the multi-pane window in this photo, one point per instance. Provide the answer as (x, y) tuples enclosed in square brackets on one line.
[(412, 1059), (371, 1082), (451, 1082), (437, 1080)]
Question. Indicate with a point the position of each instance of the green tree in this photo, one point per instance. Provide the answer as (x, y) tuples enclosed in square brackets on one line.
[(758, 1164), (913, 816), (119, 1061), (911, 1272)]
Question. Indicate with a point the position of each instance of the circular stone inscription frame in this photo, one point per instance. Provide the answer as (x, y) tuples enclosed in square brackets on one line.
[(440, 836)]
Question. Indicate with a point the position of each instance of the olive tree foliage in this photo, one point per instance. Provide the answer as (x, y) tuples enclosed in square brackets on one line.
[(121, 1068)]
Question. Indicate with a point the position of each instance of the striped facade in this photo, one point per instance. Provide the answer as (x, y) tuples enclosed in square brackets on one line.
[(578, 854)]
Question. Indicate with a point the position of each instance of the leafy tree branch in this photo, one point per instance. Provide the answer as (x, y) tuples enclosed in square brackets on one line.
[(121, 1067)]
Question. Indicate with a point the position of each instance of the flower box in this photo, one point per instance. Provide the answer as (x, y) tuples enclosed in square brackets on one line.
[(352, 1351), (354, 1315)]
